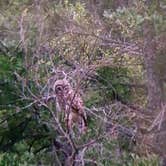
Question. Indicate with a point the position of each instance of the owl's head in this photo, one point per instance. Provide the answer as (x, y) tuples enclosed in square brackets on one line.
[(61, 86)]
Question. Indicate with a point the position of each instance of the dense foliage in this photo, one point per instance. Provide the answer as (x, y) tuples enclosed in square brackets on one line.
[(112, 52)]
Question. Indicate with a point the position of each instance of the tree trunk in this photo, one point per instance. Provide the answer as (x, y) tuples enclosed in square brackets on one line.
[(154, 87), (153, 82)]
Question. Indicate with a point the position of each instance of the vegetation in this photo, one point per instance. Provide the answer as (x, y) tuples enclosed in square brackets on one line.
[(112, 52)]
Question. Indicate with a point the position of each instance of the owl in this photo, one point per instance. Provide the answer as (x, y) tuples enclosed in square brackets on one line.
[(71, 103)]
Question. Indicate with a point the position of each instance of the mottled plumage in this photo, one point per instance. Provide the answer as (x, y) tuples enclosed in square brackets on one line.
[(70, 102)]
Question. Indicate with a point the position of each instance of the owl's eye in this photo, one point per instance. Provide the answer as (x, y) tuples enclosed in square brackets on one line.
[(66, 88), (59, 89)]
